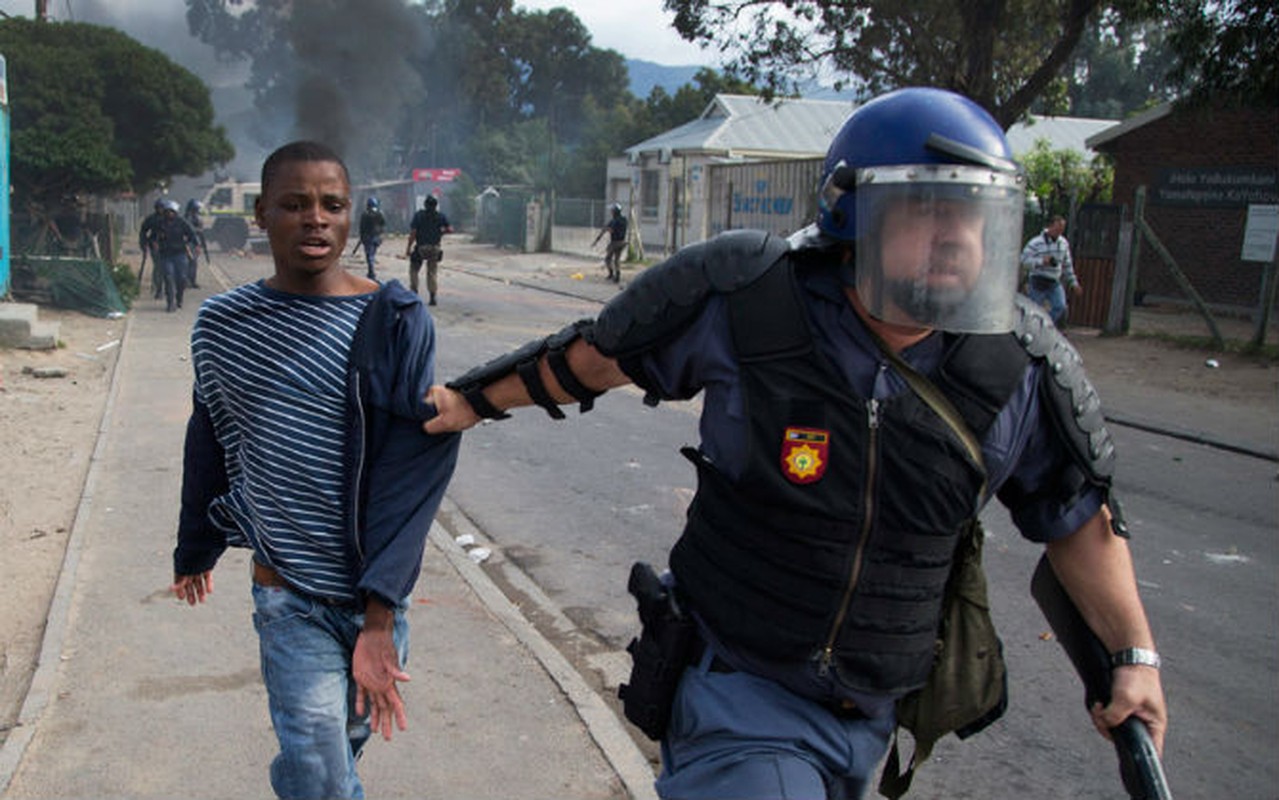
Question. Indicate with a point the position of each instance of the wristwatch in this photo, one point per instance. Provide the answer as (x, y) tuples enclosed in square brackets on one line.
[(1135, 656)]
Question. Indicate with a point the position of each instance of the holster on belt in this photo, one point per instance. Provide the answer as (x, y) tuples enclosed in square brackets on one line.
[(659, 655)]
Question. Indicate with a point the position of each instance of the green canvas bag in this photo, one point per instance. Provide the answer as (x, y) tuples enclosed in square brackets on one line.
[(968, 686)]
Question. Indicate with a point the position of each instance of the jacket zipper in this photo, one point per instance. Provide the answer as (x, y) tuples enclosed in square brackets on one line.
[(359, 471), (827, 654)]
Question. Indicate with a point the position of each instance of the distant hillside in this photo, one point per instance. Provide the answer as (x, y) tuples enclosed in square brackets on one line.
[(646, 74)]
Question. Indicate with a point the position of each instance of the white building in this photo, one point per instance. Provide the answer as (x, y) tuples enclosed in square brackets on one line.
[(746, 163)]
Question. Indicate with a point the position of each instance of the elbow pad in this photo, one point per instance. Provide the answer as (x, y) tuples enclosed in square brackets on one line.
[(1072, 404), (524, 362)]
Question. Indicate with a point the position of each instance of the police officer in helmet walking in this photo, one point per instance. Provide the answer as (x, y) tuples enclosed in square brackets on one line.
[(832, 489), (426, 231), (372, 224)]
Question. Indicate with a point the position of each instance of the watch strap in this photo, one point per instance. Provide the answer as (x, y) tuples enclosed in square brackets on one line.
[(1135, 656)]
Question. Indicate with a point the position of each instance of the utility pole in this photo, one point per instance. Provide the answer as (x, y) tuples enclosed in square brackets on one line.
[(42, 10)]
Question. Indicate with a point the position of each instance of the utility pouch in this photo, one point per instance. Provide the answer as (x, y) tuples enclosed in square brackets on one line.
[(659, 655), (967, 689)]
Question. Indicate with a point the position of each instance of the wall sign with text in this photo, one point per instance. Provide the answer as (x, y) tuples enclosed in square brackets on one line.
[(1216, 187)]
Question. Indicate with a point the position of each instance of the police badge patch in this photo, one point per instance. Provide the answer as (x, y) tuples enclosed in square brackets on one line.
[(805, 454)]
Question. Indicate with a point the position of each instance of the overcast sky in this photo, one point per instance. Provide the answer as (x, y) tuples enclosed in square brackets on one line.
[(635, 28)]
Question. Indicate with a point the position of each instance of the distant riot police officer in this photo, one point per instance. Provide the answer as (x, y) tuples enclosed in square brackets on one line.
[(831, 490), (145, 234), (372, 224), (426, 232), (192, 214), (171, 242), (616, 230)]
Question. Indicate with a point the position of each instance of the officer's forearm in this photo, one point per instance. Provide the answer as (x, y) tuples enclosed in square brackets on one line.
[(592, 369), (1095, 567)]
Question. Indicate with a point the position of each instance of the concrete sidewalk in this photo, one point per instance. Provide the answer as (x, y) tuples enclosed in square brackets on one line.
[(138, 696)]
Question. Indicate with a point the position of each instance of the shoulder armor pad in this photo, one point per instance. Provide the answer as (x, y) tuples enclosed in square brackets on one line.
[(665, 298), (1071, 400)]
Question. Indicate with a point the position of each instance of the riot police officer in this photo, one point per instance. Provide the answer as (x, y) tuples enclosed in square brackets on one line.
[(831, 489), (426, 231), (372, 224)]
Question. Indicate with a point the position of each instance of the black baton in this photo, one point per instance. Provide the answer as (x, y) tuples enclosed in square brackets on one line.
[(1139, 765)]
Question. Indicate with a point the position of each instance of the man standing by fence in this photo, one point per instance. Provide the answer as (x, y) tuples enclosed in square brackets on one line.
[(1046, 259)]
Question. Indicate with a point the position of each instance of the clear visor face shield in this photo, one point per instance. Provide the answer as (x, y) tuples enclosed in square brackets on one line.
[(938, 245)]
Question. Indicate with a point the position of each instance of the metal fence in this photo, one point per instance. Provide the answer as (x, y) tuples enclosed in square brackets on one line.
[(574, 212)]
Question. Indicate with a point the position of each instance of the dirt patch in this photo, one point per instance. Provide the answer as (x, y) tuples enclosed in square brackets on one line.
[(1152, 363), (48, 428)]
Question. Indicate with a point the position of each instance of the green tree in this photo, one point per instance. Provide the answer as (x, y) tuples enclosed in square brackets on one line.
[(1227, 50), (1002, 53), (94, 111), (1119, 68), (691, 99), (1056, 179), (466, 75)]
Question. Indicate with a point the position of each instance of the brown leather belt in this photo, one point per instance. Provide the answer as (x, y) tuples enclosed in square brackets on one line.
[(266, 576)]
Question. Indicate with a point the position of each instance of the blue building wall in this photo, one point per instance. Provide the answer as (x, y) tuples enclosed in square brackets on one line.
[(4, 180)]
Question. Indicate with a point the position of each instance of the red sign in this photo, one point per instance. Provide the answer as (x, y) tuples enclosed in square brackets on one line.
[(437, 175)]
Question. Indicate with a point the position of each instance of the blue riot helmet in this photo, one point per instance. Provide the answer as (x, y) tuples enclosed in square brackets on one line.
[(923, 183), (371, 204)]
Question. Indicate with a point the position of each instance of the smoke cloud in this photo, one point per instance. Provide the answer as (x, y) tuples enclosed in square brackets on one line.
[(345, 74), (353, 77)]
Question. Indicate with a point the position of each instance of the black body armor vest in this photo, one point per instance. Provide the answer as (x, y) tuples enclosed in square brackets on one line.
[(836, 541)]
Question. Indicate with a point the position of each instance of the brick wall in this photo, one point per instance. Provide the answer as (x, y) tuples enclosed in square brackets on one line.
[(1205, 241)]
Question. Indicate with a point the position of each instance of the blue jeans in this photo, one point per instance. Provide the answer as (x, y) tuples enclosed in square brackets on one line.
[(370, 254), (306, 647), (738, 735), (172, 270), (1052, 299)]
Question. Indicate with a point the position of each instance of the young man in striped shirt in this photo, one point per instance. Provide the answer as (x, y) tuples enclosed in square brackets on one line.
[(305, 445)]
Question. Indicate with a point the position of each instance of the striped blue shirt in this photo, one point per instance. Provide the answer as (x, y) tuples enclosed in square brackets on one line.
[(271, 368)]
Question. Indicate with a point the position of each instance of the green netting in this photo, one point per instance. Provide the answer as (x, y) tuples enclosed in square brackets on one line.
[(80, 284)]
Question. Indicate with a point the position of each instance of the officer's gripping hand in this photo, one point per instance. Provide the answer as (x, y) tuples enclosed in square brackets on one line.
[(1135, 690)]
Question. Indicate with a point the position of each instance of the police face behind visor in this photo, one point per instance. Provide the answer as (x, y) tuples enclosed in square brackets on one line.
[(936, 224)]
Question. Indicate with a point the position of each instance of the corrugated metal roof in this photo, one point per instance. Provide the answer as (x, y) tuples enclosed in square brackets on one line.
[(1065, 133), (741, 123), (736, 125), (1131, 124)]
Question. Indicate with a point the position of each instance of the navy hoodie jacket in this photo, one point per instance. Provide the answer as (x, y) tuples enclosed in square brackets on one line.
[(396, 474)]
